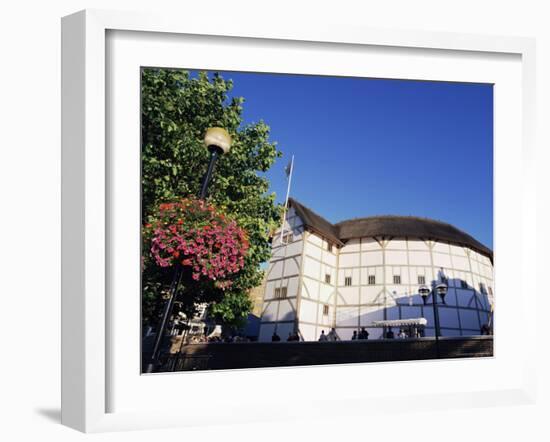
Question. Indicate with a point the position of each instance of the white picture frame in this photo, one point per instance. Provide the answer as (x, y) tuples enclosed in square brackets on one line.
[(86, 352)]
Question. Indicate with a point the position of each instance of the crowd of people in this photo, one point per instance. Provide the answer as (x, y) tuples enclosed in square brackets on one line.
[(331, 336), (405, 333), (363, 334), (292, 337)]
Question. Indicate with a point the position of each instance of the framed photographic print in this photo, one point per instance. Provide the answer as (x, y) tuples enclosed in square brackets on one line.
[(282, 206)]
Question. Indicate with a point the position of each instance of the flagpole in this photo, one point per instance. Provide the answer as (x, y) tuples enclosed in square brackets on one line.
[(287, 196)]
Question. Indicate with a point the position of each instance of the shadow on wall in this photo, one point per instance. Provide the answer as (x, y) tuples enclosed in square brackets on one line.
[(252, 327), (464, 312), (284, 327)]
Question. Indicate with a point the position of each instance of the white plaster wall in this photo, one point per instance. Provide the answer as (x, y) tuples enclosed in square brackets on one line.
[(277, 252), (270, 311), (420, 258), (458, 250), (316, 240), (330, 258), (346, 316), (441, 247), (308, 311), (308, 332), (328, 270), (377, 272), (418, 244), (369, 293), (411, 259), (398, 291), (370, 314), (313, 250), (292, 266), (292, 224), (283, 271), (397, 244), (326, 292), (351, 272), (370, 244), (396, 257), (344, 333), (269, 290), (275, 270), (310, 288), (324, 320), (312, 268), (372, 258), (293, 249), (460, 262), (287, 311), (292, 285), (353, 245), (360, 304), (401, 271), (442, 260), (349, 260), (348, 295)]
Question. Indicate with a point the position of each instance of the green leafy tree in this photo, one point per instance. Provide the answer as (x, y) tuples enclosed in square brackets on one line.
[(176, 111)]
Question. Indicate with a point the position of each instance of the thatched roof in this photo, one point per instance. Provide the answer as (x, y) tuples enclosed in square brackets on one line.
[(387, 226), (315, 222)]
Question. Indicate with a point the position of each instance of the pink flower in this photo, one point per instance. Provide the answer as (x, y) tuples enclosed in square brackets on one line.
[(213, 245)]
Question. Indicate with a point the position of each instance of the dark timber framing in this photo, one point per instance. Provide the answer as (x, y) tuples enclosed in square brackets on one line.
[(316, 234)]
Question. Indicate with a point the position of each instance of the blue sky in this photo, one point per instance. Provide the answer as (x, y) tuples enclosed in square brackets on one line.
[(371, 146)]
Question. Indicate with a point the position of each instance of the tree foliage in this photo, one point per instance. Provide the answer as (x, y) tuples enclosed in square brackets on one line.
[(176, 111)]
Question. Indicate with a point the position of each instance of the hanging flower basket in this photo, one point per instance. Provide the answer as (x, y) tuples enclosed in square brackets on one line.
[(199, 237)]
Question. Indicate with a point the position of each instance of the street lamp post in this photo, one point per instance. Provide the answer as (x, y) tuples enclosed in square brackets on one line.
[(218, 141), (441, 290)]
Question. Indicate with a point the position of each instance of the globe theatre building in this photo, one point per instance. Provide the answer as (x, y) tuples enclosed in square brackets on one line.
[(360, 272)]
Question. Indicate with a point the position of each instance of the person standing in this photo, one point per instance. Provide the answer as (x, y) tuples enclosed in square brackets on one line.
[(354, 336), (332, 335), (364, 334), (323, 337)]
